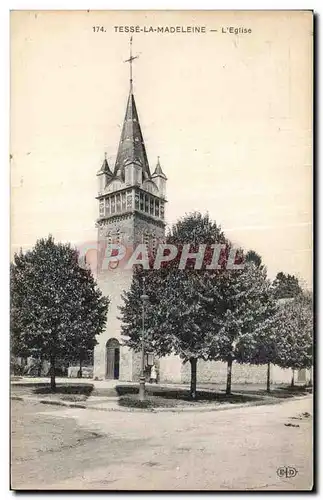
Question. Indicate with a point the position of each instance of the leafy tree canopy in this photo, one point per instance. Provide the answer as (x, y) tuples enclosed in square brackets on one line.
[(286, 286), (57, 308), (197, 313), (294, 322), (252, 256)]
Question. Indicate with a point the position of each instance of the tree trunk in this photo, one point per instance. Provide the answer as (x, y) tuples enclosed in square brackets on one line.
[(293, 379), (193, 362), (268, 377), (229, 377), (80, 372), (310, 382), (39, 368), (52, 374)]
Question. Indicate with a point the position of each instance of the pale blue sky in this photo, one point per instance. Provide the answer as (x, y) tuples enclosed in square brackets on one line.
[(230, 117)]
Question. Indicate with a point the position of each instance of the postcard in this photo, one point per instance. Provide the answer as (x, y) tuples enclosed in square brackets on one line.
[(161, 250)]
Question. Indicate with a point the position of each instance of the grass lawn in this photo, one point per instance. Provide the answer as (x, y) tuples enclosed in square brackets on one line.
[(65, 392), (279, 391), (158, 396), (166, 397)]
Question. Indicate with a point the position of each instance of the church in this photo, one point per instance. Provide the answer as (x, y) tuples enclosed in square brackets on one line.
[(131, 203)]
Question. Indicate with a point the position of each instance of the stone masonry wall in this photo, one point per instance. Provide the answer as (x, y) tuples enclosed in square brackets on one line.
[(216, 372), (142, 226), (170, 369), (112, 283)]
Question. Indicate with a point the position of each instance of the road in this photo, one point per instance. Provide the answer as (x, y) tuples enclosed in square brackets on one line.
[(237, 449)]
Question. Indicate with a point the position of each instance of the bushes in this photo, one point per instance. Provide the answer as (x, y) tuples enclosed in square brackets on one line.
[(134, 402), (169, 393), (126, 389), (16, 368), (72, 389), (166, 397), (164, 392), (150, 402)]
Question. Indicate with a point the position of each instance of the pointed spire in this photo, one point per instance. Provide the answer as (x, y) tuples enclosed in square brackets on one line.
[(158, 170), (131, 147), (105, 166)]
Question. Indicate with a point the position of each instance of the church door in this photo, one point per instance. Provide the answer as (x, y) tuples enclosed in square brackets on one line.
[(113, 359)]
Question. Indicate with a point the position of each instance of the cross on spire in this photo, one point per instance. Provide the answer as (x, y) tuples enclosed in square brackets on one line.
[(131, 146), (131, 58)]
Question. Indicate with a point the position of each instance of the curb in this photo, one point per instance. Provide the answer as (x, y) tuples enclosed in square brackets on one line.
[(54, 402), (223, 407), (123, 409)]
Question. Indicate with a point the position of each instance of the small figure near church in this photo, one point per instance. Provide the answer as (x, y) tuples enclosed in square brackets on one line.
[(153, 375)]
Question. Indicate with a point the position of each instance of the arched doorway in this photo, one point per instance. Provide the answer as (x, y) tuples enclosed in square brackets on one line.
[(113, 359)]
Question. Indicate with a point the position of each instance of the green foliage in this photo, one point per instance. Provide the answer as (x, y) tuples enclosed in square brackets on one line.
[(16, 368), (286, 286), (252, 256), (197, 314), (205, 314), (294, 322), (122, 390), (179, 317), (244, 314), (56, 307), (83, 389), (173, 398), (134, 402), (179, 312), (195, 228)]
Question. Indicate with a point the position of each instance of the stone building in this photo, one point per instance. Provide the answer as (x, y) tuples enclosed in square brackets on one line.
[(132, 202), (131, 211)]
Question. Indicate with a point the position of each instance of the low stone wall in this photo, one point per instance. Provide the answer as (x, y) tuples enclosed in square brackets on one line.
[(73, 372), (216, 372), (170, 369)]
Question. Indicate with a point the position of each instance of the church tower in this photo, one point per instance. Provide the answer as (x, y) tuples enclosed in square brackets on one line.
[(131, 212)]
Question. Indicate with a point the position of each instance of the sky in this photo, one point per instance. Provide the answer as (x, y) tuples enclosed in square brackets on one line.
[(230, 116)]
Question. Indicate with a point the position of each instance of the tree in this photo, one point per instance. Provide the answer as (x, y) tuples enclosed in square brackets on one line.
[(57, 308), (286, 286), (262, 343), (199, 313), (252, 256), (179, 314), (244, 313), (295, 342)]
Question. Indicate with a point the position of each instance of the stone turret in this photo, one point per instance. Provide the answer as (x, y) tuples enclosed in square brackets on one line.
[(160, 179)]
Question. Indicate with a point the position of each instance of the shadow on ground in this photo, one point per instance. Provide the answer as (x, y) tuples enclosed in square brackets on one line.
[(281, 391), (158, 396), (171, 397), (85, 389), (65, 392)]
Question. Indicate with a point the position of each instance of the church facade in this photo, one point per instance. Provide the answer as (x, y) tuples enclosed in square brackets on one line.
[(131, 211), (132, 200)]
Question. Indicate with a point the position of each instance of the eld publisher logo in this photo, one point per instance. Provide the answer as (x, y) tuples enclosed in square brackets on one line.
[(287, 472)]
